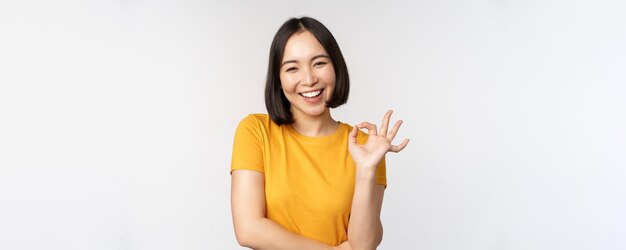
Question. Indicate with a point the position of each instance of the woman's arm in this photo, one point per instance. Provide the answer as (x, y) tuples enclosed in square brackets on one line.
[(252, 229), (365, 230)]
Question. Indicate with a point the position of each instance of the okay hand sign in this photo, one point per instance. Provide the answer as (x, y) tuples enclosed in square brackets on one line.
[(368, 155)]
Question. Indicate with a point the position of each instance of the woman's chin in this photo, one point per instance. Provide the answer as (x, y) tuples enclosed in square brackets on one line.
[(312, 111), (315, 112)]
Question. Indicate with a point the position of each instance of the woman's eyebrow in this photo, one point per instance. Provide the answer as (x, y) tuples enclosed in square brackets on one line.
[(320, 55), (288, 61)]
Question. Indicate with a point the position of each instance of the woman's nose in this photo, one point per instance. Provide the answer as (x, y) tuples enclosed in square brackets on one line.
[(309, 78)]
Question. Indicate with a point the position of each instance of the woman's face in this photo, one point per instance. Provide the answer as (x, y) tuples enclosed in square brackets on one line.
[(307, 75)]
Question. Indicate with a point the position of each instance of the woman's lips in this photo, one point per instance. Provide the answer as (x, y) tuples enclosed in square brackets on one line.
[(313, 99)]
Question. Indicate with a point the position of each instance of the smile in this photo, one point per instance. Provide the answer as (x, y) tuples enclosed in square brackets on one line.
[(311, 94)]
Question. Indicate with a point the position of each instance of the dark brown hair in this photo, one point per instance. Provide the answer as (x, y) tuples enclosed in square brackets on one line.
[(276, 102)]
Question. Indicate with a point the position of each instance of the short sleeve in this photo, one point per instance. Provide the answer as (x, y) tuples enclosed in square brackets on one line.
[(381, 173), (248, 145)]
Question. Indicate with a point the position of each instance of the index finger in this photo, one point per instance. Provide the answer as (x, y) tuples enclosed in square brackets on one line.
[(371, 128)]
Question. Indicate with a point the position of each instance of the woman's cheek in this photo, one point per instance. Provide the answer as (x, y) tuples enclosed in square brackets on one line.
[(285, 83), (290, 81)]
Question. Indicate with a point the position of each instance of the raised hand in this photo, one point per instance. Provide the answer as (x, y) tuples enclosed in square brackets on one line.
[(378, 144)]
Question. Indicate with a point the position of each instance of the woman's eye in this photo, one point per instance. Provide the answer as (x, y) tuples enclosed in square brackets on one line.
[(290, 69), (319, 63)]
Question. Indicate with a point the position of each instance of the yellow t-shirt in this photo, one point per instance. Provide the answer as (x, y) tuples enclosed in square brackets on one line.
[(309, 181)]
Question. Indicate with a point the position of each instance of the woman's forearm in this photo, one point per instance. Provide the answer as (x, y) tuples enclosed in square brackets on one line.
[(263, 233), (365, 228), (252, 228)]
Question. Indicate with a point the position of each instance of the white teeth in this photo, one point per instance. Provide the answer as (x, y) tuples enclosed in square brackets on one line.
[(311, 94)]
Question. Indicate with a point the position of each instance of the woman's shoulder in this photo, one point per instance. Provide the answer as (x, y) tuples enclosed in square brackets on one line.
[(256, 121), (256, 117)]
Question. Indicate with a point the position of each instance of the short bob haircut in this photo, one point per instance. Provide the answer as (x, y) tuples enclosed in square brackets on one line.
[(276, 103)]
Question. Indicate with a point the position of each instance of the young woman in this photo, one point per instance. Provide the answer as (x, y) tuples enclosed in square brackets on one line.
[(301, 179)]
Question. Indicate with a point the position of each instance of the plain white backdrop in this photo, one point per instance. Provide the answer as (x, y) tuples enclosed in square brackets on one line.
[(117, 118)]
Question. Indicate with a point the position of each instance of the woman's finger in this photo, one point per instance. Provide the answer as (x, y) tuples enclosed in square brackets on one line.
[(398, 148), (371, 128), (352, 136), (385, 124), (394, 130)]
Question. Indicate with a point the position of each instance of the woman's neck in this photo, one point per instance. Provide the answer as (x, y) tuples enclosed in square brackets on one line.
[(315, 126)]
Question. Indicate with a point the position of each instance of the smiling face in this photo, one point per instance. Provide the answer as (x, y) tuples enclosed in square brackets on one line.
[(307, 75)]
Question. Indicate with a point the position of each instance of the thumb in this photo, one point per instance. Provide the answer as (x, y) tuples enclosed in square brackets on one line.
[(352, 136)]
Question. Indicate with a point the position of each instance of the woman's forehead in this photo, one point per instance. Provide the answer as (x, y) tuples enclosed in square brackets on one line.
[(302, 46)]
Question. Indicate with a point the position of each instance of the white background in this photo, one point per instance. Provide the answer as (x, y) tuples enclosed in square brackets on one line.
[(117, 118)]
